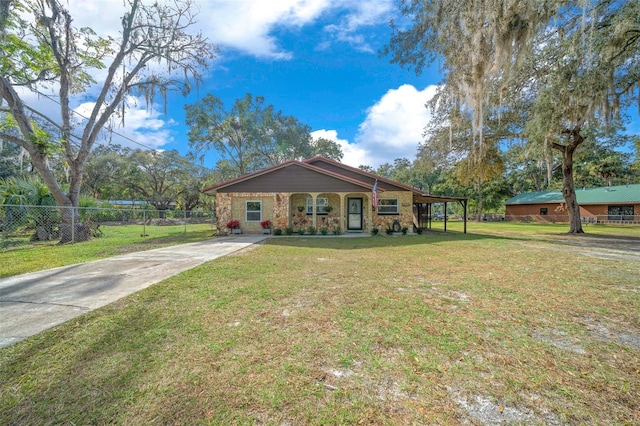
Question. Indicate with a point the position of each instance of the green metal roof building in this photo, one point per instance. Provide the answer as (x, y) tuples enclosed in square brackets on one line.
[(605, 204)]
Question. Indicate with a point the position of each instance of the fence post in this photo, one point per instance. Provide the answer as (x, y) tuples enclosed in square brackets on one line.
[(185, 221), (144, 223), (73, 225)]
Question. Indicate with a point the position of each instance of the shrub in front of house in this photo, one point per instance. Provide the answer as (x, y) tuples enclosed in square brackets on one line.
[(233, 224)]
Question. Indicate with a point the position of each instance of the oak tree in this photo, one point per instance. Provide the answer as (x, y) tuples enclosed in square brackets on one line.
[(251, 135), (575, 62), (154, 53)]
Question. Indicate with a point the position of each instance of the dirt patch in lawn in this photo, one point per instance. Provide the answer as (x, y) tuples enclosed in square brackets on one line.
[(613, 332), (599, 246), (560, 339), (482, 409)]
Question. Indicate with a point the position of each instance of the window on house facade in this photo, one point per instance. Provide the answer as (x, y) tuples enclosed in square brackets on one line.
[(253, 211), (322, 205), (388, 206), (620, 212), (544, 211)]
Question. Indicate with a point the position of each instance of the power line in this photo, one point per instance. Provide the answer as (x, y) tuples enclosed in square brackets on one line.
[(113, 132)]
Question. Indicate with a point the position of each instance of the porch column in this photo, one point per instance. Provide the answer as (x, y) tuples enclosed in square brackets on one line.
[(289, 210), (314, 200), (343, 213), (369, 205)]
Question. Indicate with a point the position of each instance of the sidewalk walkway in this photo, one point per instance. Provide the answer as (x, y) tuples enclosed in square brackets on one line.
[(34, 302)]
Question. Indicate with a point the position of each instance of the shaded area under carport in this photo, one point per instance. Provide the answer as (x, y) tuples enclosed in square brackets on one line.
[(423, 209)]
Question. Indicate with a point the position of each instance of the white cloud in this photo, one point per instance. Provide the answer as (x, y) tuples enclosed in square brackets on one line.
[(365, 14), (392, 129), (247, 25), (394, 125), (143, 126), (353, 154)]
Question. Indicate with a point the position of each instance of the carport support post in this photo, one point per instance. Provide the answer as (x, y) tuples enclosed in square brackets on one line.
[(445, 216), (464, 204)]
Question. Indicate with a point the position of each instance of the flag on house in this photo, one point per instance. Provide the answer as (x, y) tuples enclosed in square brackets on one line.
[(375, 195)]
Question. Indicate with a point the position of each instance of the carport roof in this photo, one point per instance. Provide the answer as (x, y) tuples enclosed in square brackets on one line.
[(419, 197)]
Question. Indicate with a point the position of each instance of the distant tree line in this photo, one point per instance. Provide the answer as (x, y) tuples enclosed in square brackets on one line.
[(513, 170)]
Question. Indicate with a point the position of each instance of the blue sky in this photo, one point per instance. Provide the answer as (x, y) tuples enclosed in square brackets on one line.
[(314, 59)]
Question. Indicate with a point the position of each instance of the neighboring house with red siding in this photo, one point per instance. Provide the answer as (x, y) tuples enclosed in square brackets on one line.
[(612, 204), (322, 193)]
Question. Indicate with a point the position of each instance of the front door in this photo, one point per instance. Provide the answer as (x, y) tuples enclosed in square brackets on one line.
[(354, 209)]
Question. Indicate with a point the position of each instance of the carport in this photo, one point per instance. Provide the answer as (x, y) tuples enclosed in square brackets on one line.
[(423, 209)]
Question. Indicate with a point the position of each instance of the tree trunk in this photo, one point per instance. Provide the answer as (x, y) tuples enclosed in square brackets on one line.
[(71, 228), (548, 156), (536, 182), (568, 185), (479, 218)]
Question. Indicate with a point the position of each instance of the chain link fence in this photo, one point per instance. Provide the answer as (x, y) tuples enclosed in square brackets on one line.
[(613, 219), (50, 223)]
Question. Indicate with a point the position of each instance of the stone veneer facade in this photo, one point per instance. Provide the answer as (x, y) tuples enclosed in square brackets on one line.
[(405, 202), (282, 209)]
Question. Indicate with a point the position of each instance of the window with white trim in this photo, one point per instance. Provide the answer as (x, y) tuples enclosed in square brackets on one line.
[(388, 206), (253, 211), (620, 212), (322, 205)]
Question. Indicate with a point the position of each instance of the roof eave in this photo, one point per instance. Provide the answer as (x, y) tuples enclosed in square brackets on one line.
[(365, 173), (213, 189)]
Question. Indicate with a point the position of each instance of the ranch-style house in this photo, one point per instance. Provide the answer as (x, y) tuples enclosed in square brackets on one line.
[(323, 194)]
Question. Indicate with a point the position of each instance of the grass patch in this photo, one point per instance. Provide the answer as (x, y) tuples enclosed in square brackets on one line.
[(431, 329), (22, 256), (537, 229)]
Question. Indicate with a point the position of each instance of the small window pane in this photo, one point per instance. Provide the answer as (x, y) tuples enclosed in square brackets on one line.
[(254, 211), (321, 205), (388, 206)]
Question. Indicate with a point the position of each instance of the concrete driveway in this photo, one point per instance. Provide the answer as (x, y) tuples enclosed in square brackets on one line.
[(34, 302)]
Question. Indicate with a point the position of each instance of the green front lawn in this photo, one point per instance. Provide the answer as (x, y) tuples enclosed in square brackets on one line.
[(496, 325)]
